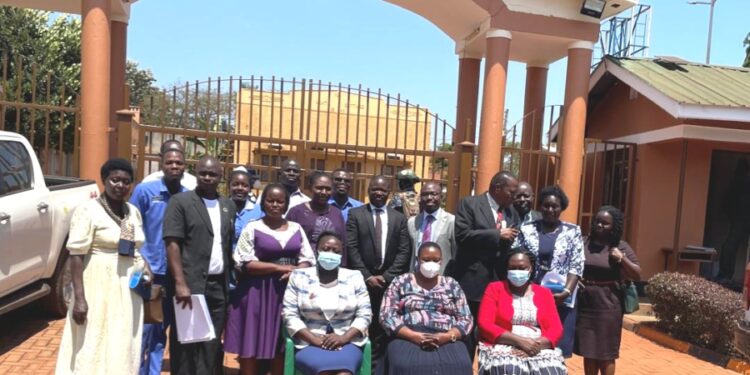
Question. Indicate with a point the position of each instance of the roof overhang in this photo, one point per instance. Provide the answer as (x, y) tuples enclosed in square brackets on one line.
[(120, 8), (672, 107), (542, 30), (687, 131)]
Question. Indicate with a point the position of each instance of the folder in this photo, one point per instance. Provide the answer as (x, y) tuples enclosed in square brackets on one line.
[(193, 325)]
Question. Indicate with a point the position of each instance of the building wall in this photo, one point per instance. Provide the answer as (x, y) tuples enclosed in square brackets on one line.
[(653, 208), (341, 118), (621, 113)]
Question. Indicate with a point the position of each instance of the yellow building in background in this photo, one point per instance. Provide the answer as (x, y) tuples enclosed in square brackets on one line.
[(362, 131)]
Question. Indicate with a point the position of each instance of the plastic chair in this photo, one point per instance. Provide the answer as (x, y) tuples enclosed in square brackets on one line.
[(291, 369)]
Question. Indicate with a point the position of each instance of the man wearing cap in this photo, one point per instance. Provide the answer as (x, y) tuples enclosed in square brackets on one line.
[(406, 201), (188, 180)]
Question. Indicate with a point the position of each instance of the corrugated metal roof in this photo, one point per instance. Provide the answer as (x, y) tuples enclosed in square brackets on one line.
[(692, 83)]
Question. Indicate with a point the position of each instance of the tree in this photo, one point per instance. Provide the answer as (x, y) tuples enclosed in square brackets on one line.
[(747, 51), (140, 81), (42, 51)]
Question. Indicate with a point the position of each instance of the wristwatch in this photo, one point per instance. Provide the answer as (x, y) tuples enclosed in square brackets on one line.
[(453, 337), (568, 291)]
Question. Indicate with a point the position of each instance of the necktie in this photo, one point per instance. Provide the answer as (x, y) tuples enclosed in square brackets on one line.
[(427, 233), (499, 222), (378, 236)]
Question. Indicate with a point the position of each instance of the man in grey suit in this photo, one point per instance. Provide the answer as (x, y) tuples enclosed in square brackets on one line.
[(198, 230), (378, 245), (433, 224)]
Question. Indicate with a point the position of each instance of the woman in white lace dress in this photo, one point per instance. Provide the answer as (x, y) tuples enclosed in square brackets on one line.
[(104, 325), (518, 324)]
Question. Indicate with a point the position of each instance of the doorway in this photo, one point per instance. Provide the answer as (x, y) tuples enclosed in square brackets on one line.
[(728, 215)]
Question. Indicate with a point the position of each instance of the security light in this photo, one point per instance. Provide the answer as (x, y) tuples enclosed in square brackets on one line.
[(593, 8)]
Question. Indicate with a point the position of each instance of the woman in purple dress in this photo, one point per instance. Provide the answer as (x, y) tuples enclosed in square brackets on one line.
[(317, 216), (267, 252)]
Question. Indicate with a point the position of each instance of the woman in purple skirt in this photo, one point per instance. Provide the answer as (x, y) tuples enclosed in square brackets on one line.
[(267, 252)]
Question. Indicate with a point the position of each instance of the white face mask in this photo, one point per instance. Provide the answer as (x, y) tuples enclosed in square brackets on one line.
[(256, 184), (429, 269)]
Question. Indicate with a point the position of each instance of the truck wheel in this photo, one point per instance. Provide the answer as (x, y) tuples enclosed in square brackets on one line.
[(56, 302)]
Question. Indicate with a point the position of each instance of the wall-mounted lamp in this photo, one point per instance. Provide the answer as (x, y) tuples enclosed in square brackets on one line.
[(593, 8)]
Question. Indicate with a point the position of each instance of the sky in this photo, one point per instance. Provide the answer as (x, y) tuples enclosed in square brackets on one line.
[(375, 43)]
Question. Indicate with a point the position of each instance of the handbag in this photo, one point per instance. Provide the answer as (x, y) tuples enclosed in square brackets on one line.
[(153, 312), (630, 300)]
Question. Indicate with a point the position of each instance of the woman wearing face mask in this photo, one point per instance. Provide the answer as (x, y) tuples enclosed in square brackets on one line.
[(558, 248), (327, 312), (317, 216), (267, 252), (427, 316), (518, 324)]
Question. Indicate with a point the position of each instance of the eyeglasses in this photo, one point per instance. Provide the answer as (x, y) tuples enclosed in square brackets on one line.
[(344, 180)]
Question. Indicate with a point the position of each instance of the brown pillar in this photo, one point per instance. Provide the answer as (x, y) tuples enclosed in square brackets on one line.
[(493, 107), (95, 47), (117, 97), (466, 120), (574, 125), (533, 109)]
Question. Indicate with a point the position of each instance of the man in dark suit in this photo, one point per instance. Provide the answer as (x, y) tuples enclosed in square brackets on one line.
[(486, 226), (198, 230), (378, 245)]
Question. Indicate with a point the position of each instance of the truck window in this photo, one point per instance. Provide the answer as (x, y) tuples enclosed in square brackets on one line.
[(16, 170)]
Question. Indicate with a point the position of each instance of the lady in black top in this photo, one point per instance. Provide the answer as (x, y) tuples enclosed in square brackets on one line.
[(609, 261)]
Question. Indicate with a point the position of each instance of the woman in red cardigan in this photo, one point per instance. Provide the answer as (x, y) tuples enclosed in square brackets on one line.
[(518, 324)]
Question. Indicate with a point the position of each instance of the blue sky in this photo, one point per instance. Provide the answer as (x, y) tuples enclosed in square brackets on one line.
[(374, 43)]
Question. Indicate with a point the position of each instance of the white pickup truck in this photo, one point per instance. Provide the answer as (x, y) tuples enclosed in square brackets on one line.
[(35, 212)]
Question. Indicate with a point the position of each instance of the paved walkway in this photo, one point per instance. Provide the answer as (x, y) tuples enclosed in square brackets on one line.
[(28, 345)]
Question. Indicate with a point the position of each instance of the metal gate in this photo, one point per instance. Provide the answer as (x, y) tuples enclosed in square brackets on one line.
[(42, 108), (260, 122)]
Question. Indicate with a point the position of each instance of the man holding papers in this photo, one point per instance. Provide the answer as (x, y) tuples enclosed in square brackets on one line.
[(198, 230)]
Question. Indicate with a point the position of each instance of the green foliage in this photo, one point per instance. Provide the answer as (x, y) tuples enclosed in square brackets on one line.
[(441, 163), (42, 57), (140, 81), (694, 309)]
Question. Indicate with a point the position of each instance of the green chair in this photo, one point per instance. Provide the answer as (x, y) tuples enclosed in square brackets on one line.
[(290, 368)]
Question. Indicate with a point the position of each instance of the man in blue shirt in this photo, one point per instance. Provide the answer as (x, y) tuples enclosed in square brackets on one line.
[(342, 184), (151, 200)]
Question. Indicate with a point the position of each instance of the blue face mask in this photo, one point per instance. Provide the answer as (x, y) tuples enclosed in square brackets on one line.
[(329, 260), (519, 277)]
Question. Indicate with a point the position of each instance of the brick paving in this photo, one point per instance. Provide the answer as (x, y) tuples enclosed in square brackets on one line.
[(29, 342)]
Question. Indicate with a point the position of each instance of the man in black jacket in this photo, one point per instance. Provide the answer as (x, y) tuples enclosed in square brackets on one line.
[(486, 226), (379, 246), (198, 229)]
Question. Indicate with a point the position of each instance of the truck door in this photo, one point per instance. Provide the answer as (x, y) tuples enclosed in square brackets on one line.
[(25, 219)]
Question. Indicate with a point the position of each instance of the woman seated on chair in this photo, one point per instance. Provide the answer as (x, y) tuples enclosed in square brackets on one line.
[(518, 324), (427, 316), (327, 312)]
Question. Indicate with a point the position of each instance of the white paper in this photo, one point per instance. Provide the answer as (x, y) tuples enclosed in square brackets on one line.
[(193, 325)]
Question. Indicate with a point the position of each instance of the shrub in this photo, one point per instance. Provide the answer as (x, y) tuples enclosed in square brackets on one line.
[(696, 310)]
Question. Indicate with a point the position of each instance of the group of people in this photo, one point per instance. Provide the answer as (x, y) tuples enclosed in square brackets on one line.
[(428, 290)]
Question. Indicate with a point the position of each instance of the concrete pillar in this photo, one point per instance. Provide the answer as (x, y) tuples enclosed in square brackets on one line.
[(493, 107), (533, 122), (95, 115), (466, 120), (118, 101), (574, 125)]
